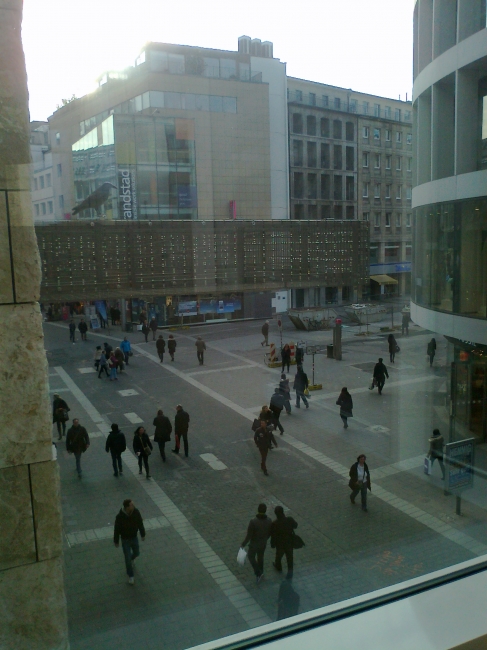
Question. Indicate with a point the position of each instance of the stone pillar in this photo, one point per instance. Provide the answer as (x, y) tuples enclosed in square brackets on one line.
[(32, 599)]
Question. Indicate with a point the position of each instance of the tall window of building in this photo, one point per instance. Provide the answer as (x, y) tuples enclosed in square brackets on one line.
[(325, 156), (337, 156), (43, 208), (312, 211), (349, 212), (312, 99), (37, 209), (324, 101), (377, 219), (398, 163), (311, 125), (50, 207), (325, 212), (41, 182), (325, 127), (299, 211), (228, 69), (337, 129), (409, 138), (312, 186), (377, 110), (398, 220), (61, 201), (298, 153), (365, 190), (397, 114), (398, 136), (325, 187), (350, 188), (399, 192), (349, 159), (391, 253), (337, 211), (59, 169), (388, 219), (388, 135), (377, 161), (387, 112), (48, 180), (349, 131), (35, 184), (365, 216), (408, 220), (338, 103), (365, 159), (374, 253), (299, 95), (377, 191), (297, 123), (298, 185), (409, 193), (58, 138), (311, 150), (353, 106), (409, 164), (337, 187), (388, 191), (388, 162), (376, 134), (365, 132), (365, 108)]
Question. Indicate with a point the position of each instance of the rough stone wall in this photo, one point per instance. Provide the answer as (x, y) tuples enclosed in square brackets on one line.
[(32, 599)]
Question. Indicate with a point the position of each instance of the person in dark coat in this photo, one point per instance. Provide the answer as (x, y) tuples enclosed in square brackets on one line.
[(108, 349), (258, 532), (146, 330), (162, 433), (119, 356), (128, 523), (200, 350), (116, 445), (276, 406), (265, 333), (153, 326), (380, 374), (392, 347), (286, 356), (83, 328), (431, 350), (282, 531), (405, 323), (264, 439), (360, 480), (181, 426), (300, 385), (267, 416), (345, 403), (161, 347), (77, 442), (299, 356), (72, 331), (142, 448), (60, 414), (171, 346), (103, 364), (436, 443), (286, 392)]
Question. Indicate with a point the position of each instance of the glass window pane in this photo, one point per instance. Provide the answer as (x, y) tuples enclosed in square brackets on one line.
[(202, 102), (229, 104), (228, 69), (211, 67), (172, 100), (156, 99), (216, 104)]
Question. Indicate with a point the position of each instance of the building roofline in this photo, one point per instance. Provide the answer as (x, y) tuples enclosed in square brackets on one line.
[(358, 92)]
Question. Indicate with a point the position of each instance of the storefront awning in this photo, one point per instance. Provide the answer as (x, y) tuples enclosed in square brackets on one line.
[(383, 279)]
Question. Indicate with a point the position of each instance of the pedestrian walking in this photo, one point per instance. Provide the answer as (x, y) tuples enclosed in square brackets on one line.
[(171, 346), (128, 523), (77, 442), (103, 365), (300, 385), (345, 403), (72, 331), (161, 347), (276, 406), (153, 327), (380, 374), (299, 356), (146, 330), (282, 533), (142, 449), (286, 357), (200, 349), (258, 532), (359, 480), (431, 350), (264, 439), (108, 349), (101, 319), (119, 356), (181, 426), (405, 323), (113, 364), (265, 333), (266, 415), (393, 347), (142, 317), (162, 433), (97, 356), (60, 415), (126, 349), (286, 392), (436, 443), (116, 445), (83, 328)]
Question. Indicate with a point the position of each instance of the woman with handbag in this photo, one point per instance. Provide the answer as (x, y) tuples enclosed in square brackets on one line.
[(393, 347), (142, 449), (359, 480), (60, 414), (345, 403)]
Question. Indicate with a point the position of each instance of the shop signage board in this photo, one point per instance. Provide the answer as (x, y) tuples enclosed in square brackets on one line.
[(459, 461), (315, 349)]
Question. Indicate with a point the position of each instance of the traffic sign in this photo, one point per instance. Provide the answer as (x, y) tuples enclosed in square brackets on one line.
[(314, 349), (279, 323)]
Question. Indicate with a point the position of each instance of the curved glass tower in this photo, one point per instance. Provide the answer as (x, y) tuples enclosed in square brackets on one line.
[(449, 284)]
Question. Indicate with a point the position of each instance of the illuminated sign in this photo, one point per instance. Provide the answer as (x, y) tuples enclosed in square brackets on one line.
[(127, 194)]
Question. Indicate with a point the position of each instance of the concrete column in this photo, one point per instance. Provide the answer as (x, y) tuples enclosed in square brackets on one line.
[(423, 129), (340, 295), (32, 599), (466, 121)]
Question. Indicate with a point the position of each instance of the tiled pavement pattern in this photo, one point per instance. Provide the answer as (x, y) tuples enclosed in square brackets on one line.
[(410, 529)]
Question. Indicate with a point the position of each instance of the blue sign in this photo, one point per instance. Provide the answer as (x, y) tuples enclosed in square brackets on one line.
[(459, 465), (187, 196)]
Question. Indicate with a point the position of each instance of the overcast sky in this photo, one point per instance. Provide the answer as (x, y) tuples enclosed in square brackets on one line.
[(365, 45)]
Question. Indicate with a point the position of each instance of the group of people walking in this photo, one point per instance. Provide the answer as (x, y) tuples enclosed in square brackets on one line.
[(82, 327)]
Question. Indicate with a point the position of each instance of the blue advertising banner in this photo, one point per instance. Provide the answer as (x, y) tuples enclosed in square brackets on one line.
[(225, 306), (187, 197), (189, 308), (459, 463), (101, 308)]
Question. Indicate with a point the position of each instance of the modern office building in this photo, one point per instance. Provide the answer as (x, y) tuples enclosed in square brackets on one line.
[(450, 196), (351, 158)]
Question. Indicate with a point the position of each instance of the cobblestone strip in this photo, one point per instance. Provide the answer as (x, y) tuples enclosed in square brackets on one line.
[(244, 603), (98, 534)]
